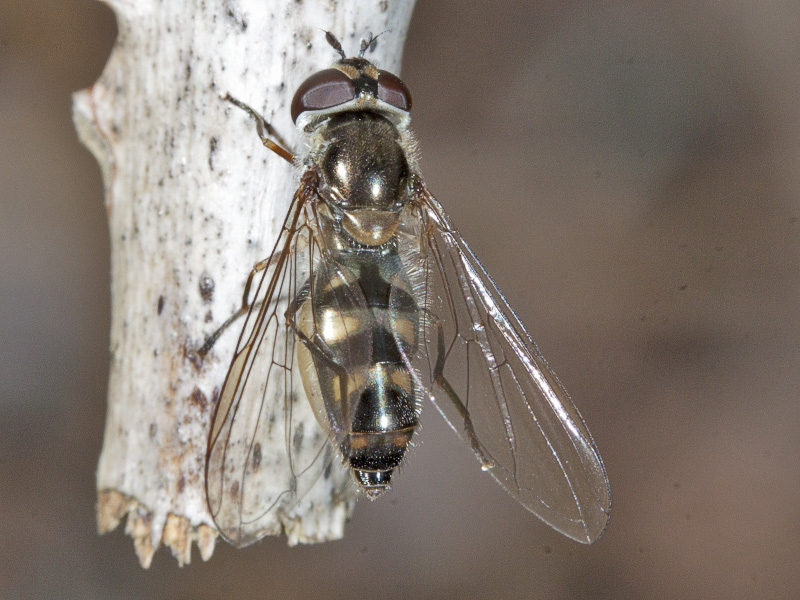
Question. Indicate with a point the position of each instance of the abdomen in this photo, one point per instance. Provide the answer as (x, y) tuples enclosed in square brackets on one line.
[(360, 319)]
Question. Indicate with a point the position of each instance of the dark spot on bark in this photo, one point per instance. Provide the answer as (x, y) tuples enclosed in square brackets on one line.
[(181, 484), (153, 431), (160, 304), (236, 19), (256, 456), (212, 144), (297, 440), (206, 287), (198, 398)]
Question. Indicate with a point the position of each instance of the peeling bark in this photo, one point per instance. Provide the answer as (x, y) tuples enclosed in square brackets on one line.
[(193, 201)]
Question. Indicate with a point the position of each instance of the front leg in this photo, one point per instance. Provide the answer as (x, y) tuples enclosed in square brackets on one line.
[(263, 127)]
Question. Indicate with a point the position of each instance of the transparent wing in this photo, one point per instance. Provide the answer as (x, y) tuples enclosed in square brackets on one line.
[(250, 487), (486, 376)]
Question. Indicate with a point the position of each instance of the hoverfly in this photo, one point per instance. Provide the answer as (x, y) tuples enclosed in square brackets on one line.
[(374, 302)]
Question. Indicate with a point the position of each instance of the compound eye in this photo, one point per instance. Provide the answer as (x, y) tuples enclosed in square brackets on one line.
[(322, 90), (392, 90)]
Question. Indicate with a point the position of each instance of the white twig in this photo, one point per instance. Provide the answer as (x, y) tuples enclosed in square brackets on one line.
[(193, 201)]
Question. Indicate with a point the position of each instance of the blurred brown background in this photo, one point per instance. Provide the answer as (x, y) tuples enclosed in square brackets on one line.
[(628, 172)]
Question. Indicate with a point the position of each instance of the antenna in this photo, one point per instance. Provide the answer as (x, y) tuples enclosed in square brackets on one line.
[(335, 44), (368, 45)]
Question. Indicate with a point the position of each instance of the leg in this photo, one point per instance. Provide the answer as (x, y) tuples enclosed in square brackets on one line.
[(441, 381), (263, 128), (211, 340)]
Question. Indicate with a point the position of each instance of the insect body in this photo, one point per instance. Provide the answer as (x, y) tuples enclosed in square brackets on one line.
[(372, 300), (361, 317)]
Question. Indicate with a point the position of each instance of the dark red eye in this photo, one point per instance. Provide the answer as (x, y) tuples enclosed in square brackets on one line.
[(393, 91), (322, 90)]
